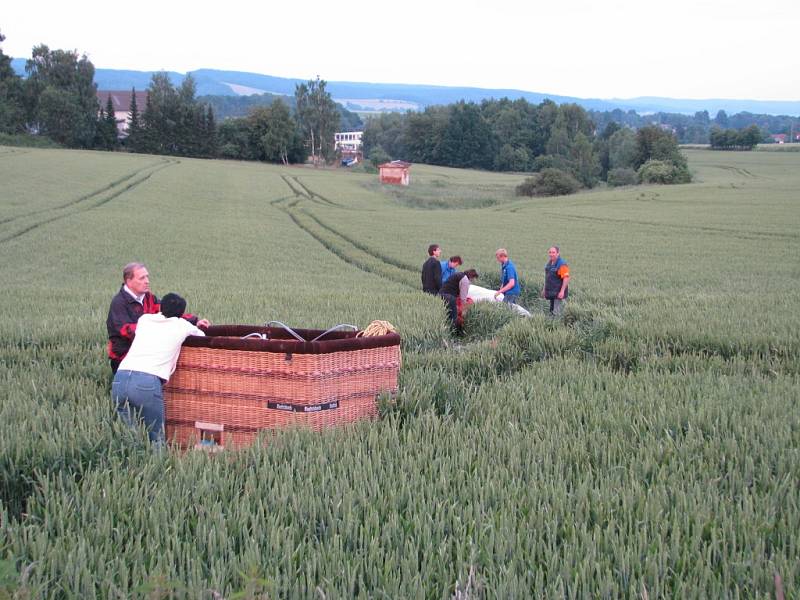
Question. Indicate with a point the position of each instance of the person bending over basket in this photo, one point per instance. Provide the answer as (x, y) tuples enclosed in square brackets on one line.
[(455, 292), (136, 389), (131, 302)]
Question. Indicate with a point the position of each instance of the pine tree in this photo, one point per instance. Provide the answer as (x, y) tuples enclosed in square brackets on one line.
[(134, 123), (145, 137), (111, 134), (211, 134)]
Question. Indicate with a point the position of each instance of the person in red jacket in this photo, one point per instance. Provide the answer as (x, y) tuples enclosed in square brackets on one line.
[(133, 300)]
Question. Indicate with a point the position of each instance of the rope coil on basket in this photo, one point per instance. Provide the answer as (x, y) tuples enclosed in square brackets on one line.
[(377, 328)]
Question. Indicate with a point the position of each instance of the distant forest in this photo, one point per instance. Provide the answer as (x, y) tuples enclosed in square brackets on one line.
[(688, 129), (697, 128)]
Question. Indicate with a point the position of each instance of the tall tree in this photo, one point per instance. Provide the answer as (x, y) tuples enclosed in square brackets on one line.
[(173, 121), (134, 123), (318, 118), (281, 133), (210, 145), (466, 139), (656, 144), (12, 107), (63, 96), (110, 125), (622, 149)]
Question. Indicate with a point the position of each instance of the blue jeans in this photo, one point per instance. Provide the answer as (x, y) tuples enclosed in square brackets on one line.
[(510, 298), (137, 396)]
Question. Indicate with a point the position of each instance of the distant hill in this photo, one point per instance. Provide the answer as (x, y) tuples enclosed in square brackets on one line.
[(384, 97)]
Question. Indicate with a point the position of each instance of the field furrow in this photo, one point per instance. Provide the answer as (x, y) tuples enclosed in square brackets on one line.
[(84, 203)]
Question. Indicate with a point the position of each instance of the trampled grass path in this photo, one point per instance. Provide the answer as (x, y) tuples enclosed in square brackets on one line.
[(86, 202)]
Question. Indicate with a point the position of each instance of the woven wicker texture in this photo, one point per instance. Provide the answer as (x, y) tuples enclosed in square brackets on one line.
[(229, 396)]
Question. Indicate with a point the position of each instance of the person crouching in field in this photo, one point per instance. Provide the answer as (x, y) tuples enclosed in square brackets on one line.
[(455, 292), (556, 281), (136, 389)]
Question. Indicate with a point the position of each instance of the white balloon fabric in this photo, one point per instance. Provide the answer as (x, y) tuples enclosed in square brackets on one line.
[(482, 294)]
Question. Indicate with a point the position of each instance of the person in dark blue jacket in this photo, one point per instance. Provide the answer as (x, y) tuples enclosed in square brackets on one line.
[(556, 281)]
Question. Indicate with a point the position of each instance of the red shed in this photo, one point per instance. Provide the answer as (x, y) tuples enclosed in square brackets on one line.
[(395, 172)]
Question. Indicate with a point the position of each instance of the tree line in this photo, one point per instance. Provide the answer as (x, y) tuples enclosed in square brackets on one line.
[(559, 143), (735, 139), (697, 128), (58, 100)]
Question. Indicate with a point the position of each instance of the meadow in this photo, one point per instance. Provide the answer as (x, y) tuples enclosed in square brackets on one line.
[(647, 445)]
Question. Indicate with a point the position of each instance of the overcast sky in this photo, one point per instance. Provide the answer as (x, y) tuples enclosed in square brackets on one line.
[(583, 48)]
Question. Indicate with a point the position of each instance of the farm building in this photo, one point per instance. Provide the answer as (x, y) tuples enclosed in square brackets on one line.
[(778, 138), (395, 172), (348, 141), (121, 100), (348, 145)]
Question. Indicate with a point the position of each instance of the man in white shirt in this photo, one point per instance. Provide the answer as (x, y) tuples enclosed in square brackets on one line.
[(136, 389)]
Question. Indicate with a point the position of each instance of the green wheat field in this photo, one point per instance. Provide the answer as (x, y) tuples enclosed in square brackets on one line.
[(647, 446)]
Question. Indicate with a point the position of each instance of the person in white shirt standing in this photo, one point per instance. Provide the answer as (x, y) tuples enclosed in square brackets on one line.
[(136, 389)]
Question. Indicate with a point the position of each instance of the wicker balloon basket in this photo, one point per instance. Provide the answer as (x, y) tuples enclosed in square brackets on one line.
[(241, 380)]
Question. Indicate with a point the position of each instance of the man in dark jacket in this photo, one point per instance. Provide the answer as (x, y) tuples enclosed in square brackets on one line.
[(133, 300), (432, 271)]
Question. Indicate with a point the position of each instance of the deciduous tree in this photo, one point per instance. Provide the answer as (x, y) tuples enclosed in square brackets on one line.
[(318, 118), (62, 96), (12, 107)]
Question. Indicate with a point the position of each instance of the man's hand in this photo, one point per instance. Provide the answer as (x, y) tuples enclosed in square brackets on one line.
[(561, 295), (203, 323), (496, 294)]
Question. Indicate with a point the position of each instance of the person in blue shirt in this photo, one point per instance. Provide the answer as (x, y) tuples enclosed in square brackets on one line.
[(450, 266), (509, 281)]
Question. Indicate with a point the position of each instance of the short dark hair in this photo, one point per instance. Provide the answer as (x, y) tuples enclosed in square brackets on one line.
[(471, 273), (456, 259), (432, 248), (172, 305)]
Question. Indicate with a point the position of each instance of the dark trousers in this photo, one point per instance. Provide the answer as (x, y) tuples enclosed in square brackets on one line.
[(556, 307), (452, 309)]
